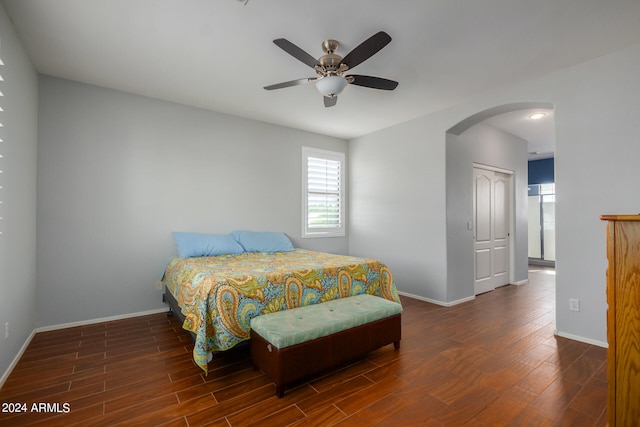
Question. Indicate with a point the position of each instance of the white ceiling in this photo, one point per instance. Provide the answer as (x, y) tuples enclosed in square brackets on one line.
[(539, 134), (218, 54)]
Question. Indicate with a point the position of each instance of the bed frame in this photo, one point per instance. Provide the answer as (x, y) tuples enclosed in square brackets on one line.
[(174, 309)]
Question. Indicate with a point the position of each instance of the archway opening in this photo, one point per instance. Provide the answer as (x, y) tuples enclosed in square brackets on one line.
[(477, 141)]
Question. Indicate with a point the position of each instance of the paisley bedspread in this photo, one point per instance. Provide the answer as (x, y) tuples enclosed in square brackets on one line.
[(219, 295)]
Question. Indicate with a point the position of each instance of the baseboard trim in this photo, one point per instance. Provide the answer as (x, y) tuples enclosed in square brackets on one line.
[(437, 302), (581, 339), (100, 320), (70, 325), (16, 359)]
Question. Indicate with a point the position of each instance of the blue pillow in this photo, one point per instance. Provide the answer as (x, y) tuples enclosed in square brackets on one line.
[(263, 241), (197, 244)]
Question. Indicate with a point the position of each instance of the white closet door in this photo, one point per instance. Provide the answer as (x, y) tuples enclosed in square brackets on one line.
[(491, 229)]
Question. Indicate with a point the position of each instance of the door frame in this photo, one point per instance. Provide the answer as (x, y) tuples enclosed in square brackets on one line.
[(511, 211)]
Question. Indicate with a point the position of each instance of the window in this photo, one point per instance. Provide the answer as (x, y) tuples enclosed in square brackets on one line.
[(1, 146), (323, 199), (542, 218)]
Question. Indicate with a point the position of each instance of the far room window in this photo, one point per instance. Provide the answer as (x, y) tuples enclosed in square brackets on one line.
[(323, 208)]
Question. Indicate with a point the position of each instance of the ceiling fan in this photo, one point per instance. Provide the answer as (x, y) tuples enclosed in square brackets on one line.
[(331, 67)]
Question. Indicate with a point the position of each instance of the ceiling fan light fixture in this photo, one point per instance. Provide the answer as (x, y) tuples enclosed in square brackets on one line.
[(331, 85)]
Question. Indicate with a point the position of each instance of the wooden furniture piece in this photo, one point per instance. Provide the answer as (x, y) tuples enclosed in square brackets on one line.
[(289, 348), (623, 319)]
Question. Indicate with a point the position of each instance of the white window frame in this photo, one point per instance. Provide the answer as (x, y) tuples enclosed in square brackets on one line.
[(333, 156), (2, 102)]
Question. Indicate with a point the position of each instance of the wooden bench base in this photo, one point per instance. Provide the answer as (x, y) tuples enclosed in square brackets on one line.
[(289, 364)]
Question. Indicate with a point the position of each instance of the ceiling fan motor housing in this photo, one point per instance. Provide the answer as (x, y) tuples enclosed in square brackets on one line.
[(330, 62)]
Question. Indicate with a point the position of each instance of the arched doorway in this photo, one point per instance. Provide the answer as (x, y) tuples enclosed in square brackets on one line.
[(470, 142)]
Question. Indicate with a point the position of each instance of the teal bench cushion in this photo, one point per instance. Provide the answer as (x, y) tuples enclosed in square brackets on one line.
[(289, 327)]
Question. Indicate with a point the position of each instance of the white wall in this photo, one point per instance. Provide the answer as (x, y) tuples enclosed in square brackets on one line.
[(18, 210), (397, 204), (117, 173), (403, 190), (598, 147)]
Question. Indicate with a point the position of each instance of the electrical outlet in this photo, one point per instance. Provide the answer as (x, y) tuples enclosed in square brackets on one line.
[(6, 330), (574, 304), (158, 285)]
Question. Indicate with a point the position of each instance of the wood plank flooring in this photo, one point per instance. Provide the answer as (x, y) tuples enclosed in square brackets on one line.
[(493, 361)]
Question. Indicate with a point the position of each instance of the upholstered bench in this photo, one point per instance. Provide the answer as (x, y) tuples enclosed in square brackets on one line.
[(292, 344)]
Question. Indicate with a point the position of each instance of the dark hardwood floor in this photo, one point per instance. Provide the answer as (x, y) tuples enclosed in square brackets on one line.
[(493, 361)]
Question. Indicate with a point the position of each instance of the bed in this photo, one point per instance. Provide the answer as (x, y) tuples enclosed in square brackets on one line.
[(217, 296)]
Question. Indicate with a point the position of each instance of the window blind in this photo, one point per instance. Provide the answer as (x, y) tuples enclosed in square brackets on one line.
[(323, 193), (1, 145)]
